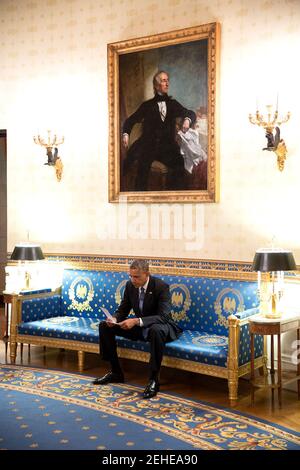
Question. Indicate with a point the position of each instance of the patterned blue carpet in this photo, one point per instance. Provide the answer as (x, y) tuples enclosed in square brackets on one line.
[(45, 409)]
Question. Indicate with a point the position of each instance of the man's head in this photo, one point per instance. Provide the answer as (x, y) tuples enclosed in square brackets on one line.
[(139, 272), (161, 82)]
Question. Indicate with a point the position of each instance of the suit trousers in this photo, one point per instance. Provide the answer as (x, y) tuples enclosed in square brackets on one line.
[(158, 335)]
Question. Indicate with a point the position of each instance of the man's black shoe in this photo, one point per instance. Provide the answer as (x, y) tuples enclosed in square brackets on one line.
[(110, 377), (151, 389)]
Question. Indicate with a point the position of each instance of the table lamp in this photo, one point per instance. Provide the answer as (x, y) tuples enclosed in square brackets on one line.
[(274, 261), (27, 252)]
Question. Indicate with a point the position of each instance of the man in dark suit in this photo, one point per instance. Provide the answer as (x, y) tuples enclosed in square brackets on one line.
[(158, 139), (149, 297)]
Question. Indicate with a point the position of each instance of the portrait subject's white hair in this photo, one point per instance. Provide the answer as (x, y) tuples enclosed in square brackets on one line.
[(157, 79)]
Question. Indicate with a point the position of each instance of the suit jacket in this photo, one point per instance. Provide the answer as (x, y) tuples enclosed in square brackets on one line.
[(156, 307), (156, 131)]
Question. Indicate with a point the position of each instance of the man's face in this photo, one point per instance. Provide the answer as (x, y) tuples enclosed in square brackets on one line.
[(138, 277), (163, 86)]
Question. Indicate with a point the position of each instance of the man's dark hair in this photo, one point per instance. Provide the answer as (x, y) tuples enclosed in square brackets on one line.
[(141, 265)]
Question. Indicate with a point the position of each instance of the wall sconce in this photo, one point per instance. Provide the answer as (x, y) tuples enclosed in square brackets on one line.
[(271, 125), (26, 253), (274, 261), (51, 145)]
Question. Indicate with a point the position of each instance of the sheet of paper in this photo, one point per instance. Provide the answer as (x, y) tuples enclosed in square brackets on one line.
[(108, 315)]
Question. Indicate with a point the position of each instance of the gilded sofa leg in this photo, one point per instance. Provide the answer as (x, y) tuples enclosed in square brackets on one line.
[(233, 385), (13, 352), (80, 360), (233, 358)]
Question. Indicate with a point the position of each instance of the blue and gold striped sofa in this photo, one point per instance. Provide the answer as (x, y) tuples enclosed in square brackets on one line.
[(212, 311)]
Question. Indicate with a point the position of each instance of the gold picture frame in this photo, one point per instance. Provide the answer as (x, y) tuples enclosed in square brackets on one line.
[(189, 57)]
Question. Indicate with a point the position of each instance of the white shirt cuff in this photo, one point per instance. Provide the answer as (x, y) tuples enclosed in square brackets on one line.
[(141, 322)]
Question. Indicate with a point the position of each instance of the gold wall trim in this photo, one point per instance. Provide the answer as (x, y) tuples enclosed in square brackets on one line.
[(222, 269)]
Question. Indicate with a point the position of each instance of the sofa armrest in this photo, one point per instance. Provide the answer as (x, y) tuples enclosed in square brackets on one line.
[(247, 313), (244, 341), (39, 308), (35, 291), (239, 339)]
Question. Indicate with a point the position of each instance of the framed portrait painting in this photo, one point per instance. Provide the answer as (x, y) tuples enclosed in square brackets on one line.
[(163, 117)]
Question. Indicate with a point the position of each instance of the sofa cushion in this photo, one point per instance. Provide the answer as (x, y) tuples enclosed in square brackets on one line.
[(200, 347), (68, 328), (191, 345)]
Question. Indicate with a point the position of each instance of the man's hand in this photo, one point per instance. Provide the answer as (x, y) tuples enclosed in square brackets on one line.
[(125, 140), (110, 323), (129, 323), (186, 125)]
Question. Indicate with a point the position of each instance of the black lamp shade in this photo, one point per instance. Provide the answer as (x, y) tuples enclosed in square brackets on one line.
[(27, 253), (268, 261)]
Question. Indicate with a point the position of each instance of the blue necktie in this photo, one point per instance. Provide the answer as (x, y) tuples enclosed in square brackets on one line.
[(141, 299), (141, 303)]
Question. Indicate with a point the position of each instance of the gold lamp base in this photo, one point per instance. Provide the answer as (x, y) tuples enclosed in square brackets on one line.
[(27, 282), (274, 314)]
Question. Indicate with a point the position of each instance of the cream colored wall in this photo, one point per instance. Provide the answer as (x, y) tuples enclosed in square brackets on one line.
[(54, 76)]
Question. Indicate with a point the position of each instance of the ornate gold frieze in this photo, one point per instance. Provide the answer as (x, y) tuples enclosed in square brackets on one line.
[(185, 267)]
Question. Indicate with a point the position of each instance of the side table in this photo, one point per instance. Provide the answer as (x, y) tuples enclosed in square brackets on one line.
[(260, 325)]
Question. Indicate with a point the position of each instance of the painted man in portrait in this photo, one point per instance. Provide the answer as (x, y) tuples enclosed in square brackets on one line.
[(157, 142)]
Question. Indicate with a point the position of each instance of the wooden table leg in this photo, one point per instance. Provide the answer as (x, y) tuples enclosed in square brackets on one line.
[(6, 335), (272, 370), (279, 370), (252, 367), (298, 359)]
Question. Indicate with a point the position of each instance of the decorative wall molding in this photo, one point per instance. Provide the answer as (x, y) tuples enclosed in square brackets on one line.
[(187, 266), (222, 265), (212, 268)]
